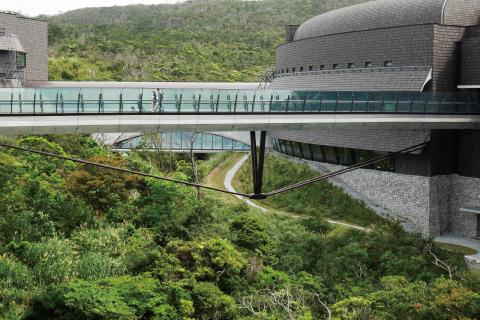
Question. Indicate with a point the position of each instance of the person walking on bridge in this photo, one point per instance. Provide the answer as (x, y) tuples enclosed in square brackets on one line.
[(159, 101), (154, 101)]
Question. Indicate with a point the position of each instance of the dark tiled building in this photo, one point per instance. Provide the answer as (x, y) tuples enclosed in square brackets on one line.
[(392, 46), (23, 50)]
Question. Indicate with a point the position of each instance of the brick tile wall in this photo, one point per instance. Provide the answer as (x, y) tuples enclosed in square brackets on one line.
[(34, 39), (404, 46)]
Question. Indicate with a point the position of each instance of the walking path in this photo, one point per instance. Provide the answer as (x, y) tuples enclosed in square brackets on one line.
[(228, 184)]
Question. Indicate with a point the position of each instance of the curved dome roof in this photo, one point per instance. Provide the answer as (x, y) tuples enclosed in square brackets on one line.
[(374, 15)]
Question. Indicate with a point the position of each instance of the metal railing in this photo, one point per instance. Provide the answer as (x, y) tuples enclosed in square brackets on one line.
[(48, 101)]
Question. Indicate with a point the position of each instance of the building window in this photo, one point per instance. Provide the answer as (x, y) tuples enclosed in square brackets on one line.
[(301, 69), (335, 66), (368, 64), (293, 69), (310, 68), (282, 70), (351, 65), (287, 70), (322, 67), (388, 63), (22, 60)]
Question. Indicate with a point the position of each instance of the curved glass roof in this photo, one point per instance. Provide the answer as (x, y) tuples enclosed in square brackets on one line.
[(377, 14), (185, 140)]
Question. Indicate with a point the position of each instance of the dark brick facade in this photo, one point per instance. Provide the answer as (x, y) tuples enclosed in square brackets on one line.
[(34, 39), (445, 51), (290, 33), (461, 13), (404, 46), (471, 61)]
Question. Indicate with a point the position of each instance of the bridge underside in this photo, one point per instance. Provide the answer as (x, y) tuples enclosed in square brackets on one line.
[(59, 124)]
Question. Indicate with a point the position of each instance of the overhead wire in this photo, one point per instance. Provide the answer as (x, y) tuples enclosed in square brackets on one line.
[(120, 169), (410, 149)]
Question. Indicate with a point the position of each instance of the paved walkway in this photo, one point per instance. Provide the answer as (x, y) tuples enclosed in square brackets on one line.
[(462, 241), (228, 182), (228, 185)]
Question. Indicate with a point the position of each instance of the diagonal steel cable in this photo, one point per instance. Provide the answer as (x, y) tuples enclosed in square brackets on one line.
[(366, 163), (120, 169), (296, 185)]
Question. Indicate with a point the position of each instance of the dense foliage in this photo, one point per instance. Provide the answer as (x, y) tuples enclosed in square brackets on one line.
[(201, 40), (79, 242)]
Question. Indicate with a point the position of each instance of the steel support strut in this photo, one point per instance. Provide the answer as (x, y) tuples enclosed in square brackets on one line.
[(257, 168)]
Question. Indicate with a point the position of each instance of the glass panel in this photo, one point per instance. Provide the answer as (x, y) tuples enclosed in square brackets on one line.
[(217, 142), (386, 165), (418, 101), (404, 102), (317, 153), (5, 97), (390, 102), (345, 156), (237, 145), (166, 140), (375, 103), (46, 100), (131, 100), (361, 155), (314, 99), (288, 145), (226, 100), (227, 143), (90, 101), (329, 101), (23, 100), (345, 101), (282, 146), (360, 103), (190, 99), (208, 101), (207, 141), (296, 149), (176, 140), (306, 151), (111, 100), (197, 143), (330, 156)]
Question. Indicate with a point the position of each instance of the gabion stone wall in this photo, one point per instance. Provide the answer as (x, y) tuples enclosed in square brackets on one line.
[(431, 203)]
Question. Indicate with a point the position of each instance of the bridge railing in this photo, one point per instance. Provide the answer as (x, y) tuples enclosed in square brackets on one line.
[(28, 101)]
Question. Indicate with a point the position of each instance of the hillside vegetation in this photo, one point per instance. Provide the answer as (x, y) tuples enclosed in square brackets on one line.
[(203, 40), (79, 242)]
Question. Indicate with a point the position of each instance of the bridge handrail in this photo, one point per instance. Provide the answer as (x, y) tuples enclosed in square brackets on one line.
[(36, 101)]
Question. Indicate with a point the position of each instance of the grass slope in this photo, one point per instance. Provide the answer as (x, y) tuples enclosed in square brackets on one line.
[(322, 196)]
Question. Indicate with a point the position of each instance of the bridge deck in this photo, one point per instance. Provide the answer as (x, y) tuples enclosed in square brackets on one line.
[(50, 110)]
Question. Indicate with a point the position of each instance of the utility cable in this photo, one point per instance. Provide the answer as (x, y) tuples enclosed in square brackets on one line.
[(296, 185), (366, 163), (121, 169)]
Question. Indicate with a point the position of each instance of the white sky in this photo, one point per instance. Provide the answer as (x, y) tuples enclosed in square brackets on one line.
[(33, 8)]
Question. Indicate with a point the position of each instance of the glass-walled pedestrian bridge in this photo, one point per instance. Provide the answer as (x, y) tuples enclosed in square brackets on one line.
[(184, 141), (43, 110)]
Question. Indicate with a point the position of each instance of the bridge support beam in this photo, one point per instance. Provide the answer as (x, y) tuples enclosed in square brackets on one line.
[(257, 167)]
